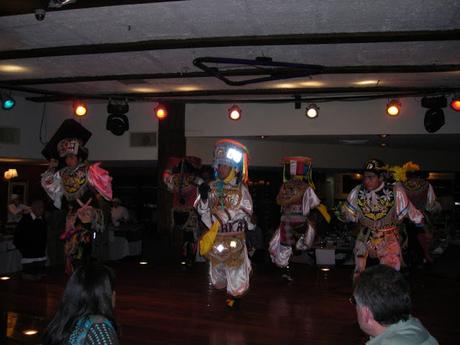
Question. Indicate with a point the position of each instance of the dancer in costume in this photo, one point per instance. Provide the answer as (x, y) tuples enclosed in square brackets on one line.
[(379, 208), (297, 199), (422, 196), (75, 185), (225, 207), (182, 180)]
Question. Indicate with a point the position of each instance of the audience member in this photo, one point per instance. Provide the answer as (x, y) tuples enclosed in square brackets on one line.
[(383, 304), (85, 315), (30, 239)]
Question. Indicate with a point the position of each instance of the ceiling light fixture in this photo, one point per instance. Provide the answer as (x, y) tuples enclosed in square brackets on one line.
[(297, 102), (312, 111), (117, 121), (434, 116), (160, 111), (455, 103), (8, 102), (234, 112), (393, 107), (79, 108)]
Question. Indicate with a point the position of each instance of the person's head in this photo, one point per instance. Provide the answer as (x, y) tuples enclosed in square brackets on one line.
[(382, 298), (223, 170), (89, 291), (373, 174), (38, 207), (71, 151), (231, 157), (15, 199)]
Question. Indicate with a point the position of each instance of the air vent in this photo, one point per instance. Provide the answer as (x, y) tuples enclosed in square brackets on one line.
[(10, 135), (143, 139)]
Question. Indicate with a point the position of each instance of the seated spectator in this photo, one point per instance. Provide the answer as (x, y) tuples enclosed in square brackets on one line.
[(85, 315), (30, 239), (16, 209), (119, 213), (383, 306)]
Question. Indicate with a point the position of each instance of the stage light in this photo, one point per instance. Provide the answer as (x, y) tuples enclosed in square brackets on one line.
[(234, 112), (143, 263), (79, 108), (434, 116), (393, 107), (8, 102), (160, 111), (455, 103), (312, 111), (5, 278), (434, 120), (117, 122)]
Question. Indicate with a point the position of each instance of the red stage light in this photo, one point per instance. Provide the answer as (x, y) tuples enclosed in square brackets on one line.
[(455, 104), (234, 112)]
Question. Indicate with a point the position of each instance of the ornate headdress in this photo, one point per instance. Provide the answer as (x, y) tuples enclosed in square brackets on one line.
[(299, 167), (376, 166), (232, 153)]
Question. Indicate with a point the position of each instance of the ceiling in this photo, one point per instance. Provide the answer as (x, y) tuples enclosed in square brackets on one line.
[(144, 50)]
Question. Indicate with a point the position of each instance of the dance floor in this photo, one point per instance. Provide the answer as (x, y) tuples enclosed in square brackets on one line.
[(164, 304)]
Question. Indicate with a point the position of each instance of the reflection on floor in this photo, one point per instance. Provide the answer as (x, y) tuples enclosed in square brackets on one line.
[(166, 304)]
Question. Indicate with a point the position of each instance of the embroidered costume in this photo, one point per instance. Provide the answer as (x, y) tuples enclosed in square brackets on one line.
[(379, 211), (225, 207), (422, 196), (182, 180), (296, 198), (77, 184)]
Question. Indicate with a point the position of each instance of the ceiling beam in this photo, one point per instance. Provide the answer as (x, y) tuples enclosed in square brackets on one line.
[(207, 42), (52, 96), (17, 7), (239, 72)]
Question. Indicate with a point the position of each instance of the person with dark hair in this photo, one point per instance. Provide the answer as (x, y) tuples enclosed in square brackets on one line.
[(383, 304), (85, 315), (30, 239), (379, 208)]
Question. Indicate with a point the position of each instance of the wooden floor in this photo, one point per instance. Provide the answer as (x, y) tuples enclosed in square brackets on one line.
[(163, 304)]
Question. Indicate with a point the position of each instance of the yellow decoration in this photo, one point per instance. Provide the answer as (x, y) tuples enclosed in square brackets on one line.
[(399, 173), (207, 240), (231, 176), (323, 210)]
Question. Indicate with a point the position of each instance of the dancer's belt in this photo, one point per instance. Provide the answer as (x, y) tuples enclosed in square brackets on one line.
[(384, 232)]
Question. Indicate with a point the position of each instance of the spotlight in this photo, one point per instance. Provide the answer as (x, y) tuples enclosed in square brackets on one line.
[(160, 111), (312, 111), (434, 120), (234, 112), (455, 103), (117, 122), (434, 116), (393, 107), (8, 102), (80, 108)]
